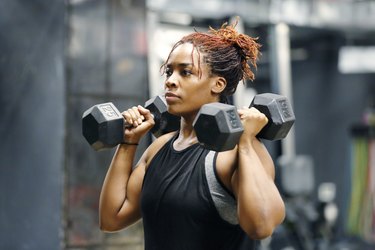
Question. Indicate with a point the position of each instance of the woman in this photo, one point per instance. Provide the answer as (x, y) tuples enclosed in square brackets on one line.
[(190, 197)]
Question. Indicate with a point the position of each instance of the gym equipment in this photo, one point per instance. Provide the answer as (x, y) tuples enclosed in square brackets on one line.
[(218, 126), (309, 224), (103, 124), (279, 112)]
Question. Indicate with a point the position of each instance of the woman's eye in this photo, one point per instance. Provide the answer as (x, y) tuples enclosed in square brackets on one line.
[(186, 72), (168, 72)]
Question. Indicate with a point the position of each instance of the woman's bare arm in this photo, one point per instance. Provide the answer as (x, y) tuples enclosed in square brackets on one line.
[(120, 195), (260, 206)]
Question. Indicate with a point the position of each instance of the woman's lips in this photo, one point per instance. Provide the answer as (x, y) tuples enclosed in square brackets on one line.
[(170, 97)]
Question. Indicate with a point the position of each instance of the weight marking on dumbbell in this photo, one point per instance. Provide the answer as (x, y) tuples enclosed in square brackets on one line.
[(233, 119), (108, 111), (285, 109)]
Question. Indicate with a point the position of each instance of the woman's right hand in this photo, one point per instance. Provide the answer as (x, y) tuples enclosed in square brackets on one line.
[(139, 121)]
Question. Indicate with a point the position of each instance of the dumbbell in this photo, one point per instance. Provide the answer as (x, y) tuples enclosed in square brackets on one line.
[(103, 124), (218, 126)]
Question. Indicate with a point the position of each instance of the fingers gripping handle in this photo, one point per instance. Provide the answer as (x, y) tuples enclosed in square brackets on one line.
[(103, 124)]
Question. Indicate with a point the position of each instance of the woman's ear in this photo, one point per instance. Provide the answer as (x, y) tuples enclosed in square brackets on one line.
[(219, 85)]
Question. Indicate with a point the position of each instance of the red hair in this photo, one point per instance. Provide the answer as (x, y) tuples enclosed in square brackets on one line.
[(229, 54)]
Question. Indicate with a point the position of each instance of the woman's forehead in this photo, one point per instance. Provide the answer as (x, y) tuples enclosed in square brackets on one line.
[(184, 54)]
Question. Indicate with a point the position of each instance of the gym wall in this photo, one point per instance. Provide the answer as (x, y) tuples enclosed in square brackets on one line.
[(105, 62), (32, 127), (57, 59)]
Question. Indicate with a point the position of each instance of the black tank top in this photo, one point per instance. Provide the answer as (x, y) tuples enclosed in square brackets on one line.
[(177, 209)]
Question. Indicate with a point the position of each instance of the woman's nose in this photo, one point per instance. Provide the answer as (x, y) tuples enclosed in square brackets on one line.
[(171, 82)]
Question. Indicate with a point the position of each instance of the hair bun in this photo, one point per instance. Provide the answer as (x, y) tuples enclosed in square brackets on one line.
[(248, 46)]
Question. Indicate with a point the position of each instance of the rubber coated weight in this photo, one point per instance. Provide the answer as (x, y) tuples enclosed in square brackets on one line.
[(279, 112), (164, 121), (103, 124), (218, 126)]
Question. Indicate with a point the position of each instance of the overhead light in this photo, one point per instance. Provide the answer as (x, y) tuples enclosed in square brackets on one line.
[(176, 18), (77, 2), (356, 59)]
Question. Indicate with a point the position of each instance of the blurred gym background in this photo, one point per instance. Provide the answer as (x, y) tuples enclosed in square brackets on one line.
[(58, 58)]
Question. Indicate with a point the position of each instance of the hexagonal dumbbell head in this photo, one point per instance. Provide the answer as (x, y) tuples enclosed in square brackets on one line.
[(164, 121), (279, 112), (102, 126), (218, 126)]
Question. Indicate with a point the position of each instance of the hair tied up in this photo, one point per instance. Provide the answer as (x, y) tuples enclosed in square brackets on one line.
[(248, 46)]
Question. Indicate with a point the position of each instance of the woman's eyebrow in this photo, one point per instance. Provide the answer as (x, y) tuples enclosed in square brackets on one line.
[(169, 65)]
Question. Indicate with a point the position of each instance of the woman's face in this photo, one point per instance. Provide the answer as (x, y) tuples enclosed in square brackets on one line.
[(185, 89)]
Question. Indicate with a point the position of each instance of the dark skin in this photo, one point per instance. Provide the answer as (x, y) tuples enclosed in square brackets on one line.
[(260, 206)]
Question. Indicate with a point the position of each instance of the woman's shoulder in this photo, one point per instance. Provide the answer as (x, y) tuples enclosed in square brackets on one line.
[(157, 144)]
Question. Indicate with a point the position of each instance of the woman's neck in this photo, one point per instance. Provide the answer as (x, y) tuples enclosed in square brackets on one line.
[(186, 137)]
